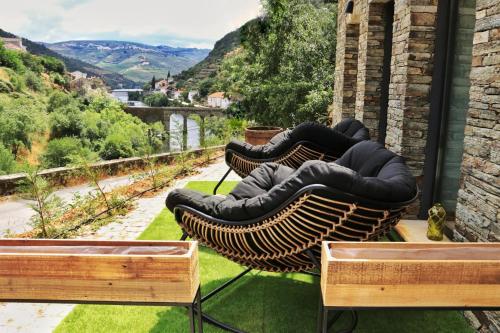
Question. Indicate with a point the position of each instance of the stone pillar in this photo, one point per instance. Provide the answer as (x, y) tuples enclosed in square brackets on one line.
[(184, 132), (411, 78), (166, 124), (346, 66), (370, 64), (202, 131)]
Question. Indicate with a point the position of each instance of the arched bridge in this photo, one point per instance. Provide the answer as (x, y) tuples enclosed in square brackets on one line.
[(163, 114)]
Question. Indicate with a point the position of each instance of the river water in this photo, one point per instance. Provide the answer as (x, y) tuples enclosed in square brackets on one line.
[(193, 141)]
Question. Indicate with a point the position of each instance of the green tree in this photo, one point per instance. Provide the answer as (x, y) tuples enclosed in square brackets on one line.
[(153, 83), (20, 120), (283, 73), (11, 59), (65, 121), (7, 161), (62, 152), (156, 100)]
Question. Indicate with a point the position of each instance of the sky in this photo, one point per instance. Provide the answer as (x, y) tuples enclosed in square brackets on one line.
[(181, 23)]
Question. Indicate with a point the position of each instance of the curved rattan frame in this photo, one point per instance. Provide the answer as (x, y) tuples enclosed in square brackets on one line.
[(283, 240), (294, 157)]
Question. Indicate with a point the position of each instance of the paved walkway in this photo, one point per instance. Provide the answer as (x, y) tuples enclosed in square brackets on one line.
[(42, 318)]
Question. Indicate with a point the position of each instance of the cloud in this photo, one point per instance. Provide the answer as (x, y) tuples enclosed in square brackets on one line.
[(173, 22)]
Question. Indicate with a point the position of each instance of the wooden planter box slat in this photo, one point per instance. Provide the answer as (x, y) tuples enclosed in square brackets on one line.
[(79, 277), (411, 274)]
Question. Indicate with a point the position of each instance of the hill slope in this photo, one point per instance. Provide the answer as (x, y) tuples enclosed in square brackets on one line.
[(211, 63), (112, 79), (136, 61)]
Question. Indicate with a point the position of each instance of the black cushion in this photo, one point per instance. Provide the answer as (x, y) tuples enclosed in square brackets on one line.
[(367, 170), (334, 140)]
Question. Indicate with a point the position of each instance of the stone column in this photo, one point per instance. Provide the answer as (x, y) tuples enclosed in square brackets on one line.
[(346, 65), (370, 64), (184, 132), (166, 124)]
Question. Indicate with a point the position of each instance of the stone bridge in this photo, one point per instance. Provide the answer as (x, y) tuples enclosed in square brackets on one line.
[(163, 114)]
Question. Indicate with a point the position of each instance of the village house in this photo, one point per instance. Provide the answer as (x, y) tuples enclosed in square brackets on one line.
[(423, 76), (123, 94), (192, 95), (15, 44), (218, 100), (162, 86)]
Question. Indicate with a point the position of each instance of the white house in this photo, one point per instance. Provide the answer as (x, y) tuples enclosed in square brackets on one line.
[(218, 100), (122, 94)]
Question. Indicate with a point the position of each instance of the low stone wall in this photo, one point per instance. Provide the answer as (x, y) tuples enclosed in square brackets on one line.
[(61, 176)]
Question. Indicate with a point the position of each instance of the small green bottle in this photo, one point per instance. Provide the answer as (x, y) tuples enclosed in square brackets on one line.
[(437, 217)]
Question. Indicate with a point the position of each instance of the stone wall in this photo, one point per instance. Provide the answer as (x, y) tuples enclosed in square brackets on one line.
[(346, 68), (478, 207)]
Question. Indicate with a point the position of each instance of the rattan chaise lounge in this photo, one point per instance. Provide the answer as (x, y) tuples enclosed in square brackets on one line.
[(277, 217), (293, 147)]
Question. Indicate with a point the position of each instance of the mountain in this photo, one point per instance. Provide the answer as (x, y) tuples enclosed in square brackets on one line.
[(211, 63), (112, 79), (136, 61)]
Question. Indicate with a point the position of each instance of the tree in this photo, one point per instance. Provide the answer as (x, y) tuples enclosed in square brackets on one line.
[(168, 75), (153, 83), (283, 71), (7, 161), (156, 100)]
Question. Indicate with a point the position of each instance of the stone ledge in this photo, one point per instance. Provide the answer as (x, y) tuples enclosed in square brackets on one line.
[(8, 183)]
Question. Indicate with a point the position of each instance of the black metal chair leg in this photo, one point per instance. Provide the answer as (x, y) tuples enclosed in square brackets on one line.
[(221, 181), (198, 311), (184, 236), (191, 318)]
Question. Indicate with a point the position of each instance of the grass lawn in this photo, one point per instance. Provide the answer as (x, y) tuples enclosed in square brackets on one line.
[(259, 302)]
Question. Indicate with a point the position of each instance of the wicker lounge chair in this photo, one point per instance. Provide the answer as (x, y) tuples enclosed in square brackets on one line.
[(308, 141), (277, 217)]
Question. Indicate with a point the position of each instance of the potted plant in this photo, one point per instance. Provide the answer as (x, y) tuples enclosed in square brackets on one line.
[(260, 135)]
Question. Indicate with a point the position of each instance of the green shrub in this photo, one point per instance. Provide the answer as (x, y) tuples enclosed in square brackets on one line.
[(32, 62), (33, 81), (63, 151), (116, 145), (20, 120), (7, 161), (66, 121), (52, 64), (59, 79), (11, 59), (6, 87), (59, 99), (156, 100)]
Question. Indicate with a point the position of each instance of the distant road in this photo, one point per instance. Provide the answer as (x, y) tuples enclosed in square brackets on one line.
[(15, 215)]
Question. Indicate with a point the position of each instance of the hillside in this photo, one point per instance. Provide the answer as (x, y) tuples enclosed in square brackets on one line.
[(211, 63), (112, 79), (136, 61)]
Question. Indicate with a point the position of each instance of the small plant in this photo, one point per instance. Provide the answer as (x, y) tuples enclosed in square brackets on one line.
[(92, 175), (48, 207)]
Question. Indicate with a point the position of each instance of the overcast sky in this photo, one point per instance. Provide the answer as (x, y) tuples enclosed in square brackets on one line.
[(184, 23)]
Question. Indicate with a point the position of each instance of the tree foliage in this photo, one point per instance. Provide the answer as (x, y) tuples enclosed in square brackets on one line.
[(7, 161), (283, 73), (156, 100)]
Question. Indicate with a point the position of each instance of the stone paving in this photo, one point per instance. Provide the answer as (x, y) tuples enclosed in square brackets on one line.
[(42, 318)]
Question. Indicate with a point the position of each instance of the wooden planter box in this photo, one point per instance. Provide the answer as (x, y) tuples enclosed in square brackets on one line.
[(455, 275), (80, 271)]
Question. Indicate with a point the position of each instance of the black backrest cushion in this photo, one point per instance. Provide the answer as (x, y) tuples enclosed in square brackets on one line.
[(334, 141), (353, 128)]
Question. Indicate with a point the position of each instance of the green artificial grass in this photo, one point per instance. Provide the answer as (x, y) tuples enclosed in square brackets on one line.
[(259, 302)]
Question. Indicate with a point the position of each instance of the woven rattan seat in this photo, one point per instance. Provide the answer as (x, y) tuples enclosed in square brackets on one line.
[(277, 217)]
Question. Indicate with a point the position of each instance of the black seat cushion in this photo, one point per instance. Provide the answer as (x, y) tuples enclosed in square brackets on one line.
[(334, 140), (367, 170)]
